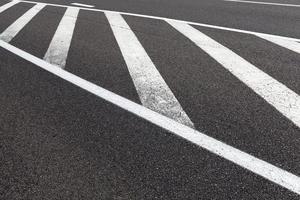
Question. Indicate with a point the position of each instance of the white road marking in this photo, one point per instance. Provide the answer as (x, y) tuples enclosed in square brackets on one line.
[(8, 5), (275, 93), (19, 24), (265, 3), (175, 20), (153, 91), (59, 47), (247, 161), (291, 45), (83, 5)]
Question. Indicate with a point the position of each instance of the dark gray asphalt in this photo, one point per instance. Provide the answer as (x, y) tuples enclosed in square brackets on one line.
[(60, 142), (268, 19)]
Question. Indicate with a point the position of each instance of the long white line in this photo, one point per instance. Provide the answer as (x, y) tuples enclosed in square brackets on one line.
[(275, 93), (291, 45), (247, 161), (180, 21), (8, 5), (19, 24), (59, 47), (83, 5), (153, 91), (265, 3)]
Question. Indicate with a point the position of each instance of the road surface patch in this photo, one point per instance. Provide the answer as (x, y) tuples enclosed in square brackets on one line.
[(261, 83), (180, 21), (247, 161)]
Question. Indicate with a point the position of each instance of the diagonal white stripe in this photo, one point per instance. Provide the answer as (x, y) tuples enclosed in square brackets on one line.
[(247, 161), (83, 5), (275, 93), (8, 5), (153, 91), (291, 45), (59, 47), (19, 24)]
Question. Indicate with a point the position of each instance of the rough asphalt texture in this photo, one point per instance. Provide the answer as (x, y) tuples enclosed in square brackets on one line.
[(60, 142)]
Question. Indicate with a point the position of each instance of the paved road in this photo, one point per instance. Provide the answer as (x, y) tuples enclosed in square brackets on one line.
[(255, 17), (108, 105)]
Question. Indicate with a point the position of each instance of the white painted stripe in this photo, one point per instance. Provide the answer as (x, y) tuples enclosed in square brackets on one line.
[(291, 45), (8, 5), (83, 5), (275, 93), (59, 47), (153, 91), (179, 21), (265, 3), (19, 24), (247, 161)]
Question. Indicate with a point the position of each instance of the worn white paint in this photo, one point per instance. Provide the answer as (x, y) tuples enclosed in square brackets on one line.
[(153, 91), (59, 47), (7, 6), (19, 24)]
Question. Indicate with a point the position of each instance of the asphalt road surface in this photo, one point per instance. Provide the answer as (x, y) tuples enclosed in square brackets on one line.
[(149, 99)]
